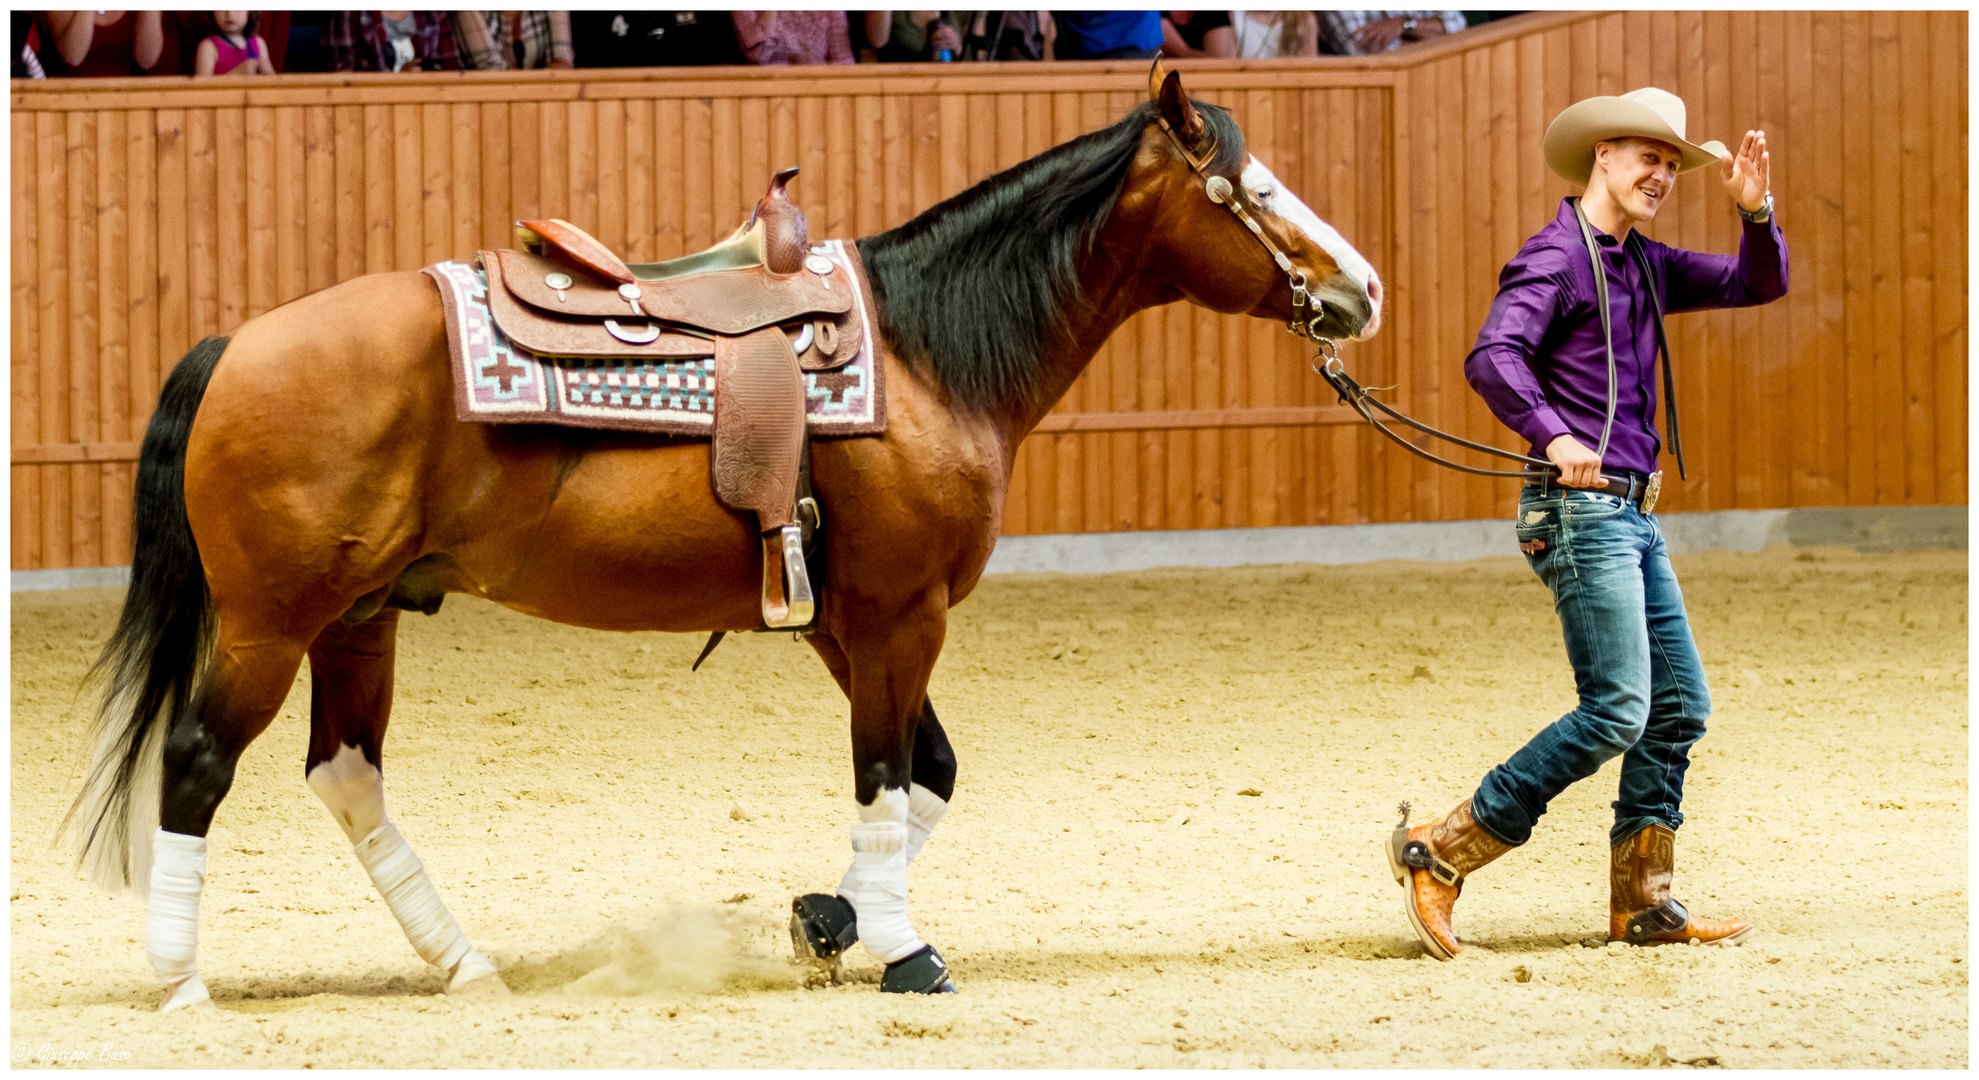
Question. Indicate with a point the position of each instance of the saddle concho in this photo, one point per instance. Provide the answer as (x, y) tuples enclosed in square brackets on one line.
[(753, 342)]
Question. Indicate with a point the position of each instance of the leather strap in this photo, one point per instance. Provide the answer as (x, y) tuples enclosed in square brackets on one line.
[(1607, 323), (1362, 400), (1640, 251), (1219, 190)]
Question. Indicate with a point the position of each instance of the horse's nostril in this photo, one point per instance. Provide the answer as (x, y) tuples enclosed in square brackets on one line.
[(1374, 289)]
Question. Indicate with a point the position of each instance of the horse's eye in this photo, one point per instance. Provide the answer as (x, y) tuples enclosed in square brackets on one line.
[(1263, 195)]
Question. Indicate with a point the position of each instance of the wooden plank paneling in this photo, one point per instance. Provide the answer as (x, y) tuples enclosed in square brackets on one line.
[(25, 306), (52, 207), (291, 199), (149, 213), (1948, 121), (435, 187)]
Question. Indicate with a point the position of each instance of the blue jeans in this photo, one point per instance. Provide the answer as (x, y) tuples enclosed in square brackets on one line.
[(1642, 688)]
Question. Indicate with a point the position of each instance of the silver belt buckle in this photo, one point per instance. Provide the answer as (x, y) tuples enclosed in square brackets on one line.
[(1652, 488)]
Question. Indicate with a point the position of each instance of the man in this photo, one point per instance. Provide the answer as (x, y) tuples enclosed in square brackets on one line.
[(1543, 367)]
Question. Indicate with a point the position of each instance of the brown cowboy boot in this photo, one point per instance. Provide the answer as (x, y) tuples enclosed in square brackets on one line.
[(1430, 862), (1640, 908)]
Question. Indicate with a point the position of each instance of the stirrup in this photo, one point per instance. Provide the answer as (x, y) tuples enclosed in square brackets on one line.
[(796, 607)]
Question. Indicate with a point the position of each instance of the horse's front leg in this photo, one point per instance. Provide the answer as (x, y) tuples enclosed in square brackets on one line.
[(901, 789)]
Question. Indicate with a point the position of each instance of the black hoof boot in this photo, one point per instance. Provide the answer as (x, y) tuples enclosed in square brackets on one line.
[(822, 927), (922, 973)]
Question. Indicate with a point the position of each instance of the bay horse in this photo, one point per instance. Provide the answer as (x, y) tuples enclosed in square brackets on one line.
[(276, 506)]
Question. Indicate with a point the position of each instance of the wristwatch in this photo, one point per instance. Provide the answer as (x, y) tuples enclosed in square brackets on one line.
[(1765, 210), (1408, 29)]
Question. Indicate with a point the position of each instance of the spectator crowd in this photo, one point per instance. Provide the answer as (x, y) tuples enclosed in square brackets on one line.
[(126, 43)]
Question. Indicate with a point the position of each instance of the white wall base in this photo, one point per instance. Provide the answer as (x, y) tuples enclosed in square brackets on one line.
[(81, 577), (1866, 528), (1895, 528)]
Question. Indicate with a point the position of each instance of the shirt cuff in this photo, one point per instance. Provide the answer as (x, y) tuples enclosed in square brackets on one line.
[(1542, 426)]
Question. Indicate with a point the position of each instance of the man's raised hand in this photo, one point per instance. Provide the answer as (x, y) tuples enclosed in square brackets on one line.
[(1748, 173)]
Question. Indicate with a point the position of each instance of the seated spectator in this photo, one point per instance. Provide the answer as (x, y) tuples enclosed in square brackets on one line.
[(964, 35), (234, 47), (1268, 35), (1108, 35), (392, 41), (26, 64), (612, 39), (1365, 33), (919, 36), (101, 44), (1010, 35), (308, 42), (514, 40), (184, 30), (1193, 35), (793, 37)]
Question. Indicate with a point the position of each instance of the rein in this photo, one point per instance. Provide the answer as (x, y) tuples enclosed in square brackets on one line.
[(1362, 398)]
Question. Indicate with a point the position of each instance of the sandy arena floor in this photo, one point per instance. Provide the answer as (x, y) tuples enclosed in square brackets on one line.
[(1164, 850)]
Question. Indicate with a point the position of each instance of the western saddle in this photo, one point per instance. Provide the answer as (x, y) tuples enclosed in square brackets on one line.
[(765, 306)]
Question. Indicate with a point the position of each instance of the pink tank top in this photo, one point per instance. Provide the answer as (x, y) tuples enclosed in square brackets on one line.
[(229, 56)]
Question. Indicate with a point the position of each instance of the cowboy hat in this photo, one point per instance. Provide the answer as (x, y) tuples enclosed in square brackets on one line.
[(1647, 113)]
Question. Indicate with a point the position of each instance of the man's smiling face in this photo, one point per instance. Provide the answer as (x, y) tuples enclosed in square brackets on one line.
[(1638, 173)]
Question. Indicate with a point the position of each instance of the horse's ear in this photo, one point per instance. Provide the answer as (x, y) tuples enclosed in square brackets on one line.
[(1173, 101)]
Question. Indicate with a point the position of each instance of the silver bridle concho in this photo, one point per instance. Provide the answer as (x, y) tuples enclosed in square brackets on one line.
[(1221, 192)]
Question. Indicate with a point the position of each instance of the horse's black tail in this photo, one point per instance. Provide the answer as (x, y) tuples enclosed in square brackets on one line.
[(151, 664)]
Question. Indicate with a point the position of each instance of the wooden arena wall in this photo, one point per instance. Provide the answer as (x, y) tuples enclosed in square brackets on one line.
[(149, 213)]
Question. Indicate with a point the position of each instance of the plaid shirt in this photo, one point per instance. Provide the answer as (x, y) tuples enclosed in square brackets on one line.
[(358, 41), (1337, 29), (486, 40)]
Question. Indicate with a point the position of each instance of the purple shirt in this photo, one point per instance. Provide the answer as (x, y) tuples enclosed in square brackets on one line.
[(1539, 364)]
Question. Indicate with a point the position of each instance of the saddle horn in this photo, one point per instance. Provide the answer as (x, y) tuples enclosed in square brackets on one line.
[(785, 232)]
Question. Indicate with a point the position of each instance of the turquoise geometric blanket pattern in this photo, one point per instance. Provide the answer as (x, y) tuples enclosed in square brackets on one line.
[(496, 381)]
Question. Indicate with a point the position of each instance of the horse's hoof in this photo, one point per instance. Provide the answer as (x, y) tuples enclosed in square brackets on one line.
[(487, 986), (822, 928), (922, 973)]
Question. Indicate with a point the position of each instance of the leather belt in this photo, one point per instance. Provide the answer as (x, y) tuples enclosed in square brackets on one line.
[(1637, 489)]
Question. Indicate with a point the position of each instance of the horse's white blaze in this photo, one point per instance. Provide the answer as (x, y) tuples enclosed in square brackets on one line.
[(354, 791), (1263, 188)]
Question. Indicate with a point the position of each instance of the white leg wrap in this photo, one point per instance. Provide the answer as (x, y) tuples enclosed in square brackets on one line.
[(924, 811), (876, 887), (401, 879), (354, 791), (171, 922)]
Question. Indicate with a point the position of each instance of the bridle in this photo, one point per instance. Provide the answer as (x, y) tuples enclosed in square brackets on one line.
[(1222, 192), (1327, 362)]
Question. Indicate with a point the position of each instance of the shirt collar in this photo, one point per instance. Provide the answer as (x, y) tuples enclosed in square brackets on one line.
[(1570, 221)]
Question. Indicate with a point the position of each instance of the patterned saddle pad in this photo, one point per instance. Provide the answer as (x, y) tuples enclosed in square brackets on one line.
[(498, 382)]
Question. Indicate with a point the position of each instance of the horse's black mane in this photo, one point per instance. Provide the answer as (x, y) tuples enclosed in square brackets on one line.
[(973, 288)]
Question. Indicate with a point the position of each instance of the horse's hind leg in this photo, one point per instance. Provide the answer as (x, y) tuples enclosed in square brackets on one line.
[(243, 688), (349, 705)]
